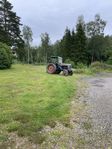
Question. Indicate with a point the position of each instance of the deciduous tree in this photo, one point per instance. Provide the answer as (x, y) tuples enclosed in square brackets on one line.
[(27, 36)]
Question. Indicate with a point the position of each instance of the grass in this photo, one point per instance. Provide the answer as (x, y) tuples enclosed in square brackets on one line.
[(30, 99)]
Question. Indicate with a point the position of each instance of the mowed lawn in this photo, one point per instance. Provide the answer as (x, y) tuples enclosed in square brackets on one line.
[(30, 99)]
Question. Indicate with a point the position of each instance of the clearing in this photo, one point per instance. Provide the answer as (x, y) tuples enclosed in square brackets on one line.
[(37, 106), (30, 99)]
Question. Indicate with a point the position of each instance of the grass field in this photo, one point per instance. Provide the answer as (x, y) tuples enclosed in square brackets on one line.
[(31, 99)]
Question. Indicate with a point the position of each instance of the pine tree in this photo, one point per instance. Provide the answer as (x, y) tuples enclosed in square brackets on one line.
[(9, 24), (73, 45), (80, 51), (66, 44)]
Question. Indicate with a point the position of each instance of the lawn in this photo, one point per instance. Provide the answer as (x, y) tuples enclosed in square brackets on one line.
[(30, 99)]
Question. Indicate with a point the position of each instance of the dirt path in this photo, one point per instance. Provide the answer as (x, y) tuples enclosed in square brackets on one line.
[(99, 101)]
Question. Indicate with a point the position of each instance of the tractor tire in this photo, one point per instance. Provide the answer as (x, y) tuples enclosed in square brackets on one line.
[(70, 73), (51, 68), (65, 72)]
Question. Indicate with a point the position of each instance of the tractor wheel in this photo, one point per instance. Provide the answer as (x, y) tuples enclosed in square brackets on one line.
[(71, 73), (51, 68), (65, 72)]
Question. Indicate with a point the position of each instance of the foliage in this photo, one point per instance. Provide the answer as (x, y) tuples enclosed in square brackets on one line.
[(81, 65), (108, 49), (109, 61), (73, 45), (77, 46), (66, 44), (27, 36), (80, 52), (45, 47), (9, 24), (98, 66), (96, 48), (5, 56), (85, 44), (96, 27), (84, 71), (80, 68)]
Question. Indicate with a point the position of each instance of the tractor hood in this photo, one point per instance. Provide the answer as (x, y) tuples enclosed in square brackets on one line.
[(63, 64)]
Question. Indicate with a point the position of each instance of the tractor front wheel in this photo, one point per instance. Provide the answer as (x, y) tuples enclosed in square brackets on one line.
[(71, 73), (65, 72)]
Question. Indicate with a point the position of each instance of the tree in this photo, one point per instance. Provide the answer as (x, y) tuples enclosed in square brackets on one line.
[(95, 33), (57, 48), (96, 48), (45, 46), (108, 49), (80, 47), (65, 44), (5, 56), (73, 45), (27, 36), (81, 21), (9, 24), (96, 27)]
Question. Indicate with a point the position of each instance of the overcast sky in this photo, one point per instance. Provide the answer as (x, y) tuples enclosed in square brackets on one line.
[(53, 16)]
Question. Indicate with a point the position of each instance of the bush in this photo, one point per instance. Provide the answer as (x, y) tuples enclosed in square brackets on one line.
[(109, 61), (81, 66), (5, 56), (98, 66)]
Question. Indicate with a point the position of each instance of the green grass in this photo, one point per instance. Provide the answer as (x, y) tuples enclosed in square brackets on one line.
[(30, 99)]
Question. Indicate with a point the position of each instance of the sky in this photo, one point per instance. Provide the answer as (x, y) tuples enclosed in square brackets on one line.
[(53, 16)]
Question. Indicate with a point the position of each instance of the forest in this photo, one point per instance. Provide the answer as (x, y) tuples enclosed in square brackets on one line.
[(84, 44)]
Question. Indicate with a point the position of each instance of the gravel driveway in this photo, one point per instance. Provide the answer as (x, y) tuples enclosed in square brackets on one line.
[(99, 101)]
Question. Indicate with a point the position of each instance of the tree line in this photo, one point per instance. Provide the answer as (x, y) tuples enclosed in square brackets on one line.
[(85, 43)]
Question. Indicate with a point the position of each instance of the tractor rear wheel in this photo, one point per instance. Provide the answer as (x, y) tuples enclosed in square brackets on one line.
[(51, 68)]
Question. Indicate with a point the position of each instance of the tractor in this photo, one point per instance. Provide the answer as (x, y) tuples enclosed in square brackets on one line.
[(56, 66)]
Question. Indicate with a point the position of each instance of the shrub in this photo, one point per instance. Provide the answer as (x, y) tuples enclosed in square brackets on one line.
[(98, 66), (5, 56), (81, 66), (109, 61)]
